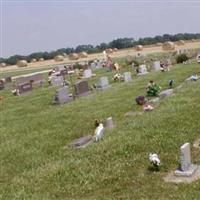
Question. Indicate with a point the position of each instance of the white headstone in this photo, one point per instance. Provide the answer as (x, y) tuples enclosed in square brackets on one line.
[(109, 123), (62, 96), (103, 83), (156, 65), (127, 77), (185, 157), (87, 73), (186, 168), (142, 70), (93, 65), (57, 80)]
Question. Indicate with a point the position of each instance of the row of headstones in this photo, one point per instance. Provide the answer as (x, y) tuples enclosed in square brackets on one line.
[(82, 88), (156, 67)]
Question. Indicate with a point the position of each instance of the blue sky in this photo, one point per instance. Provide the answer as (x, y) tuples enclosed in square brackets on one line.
[(32, 26)]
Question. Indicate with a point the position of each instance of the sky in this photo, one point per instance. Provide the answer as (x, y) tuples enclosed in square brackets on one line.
[(29, 26)]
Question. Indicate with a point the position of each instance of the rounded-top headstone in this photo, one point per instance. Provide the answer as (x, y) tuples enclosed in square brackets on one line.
[(109, 123)]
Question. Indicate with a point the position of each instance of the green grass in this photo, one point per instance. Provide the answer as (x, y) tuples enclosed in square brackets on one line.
[(35, 164)]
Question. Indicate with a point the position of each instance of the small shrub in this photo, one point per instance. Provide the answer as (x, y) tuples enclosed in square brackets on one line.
[(181, 58)]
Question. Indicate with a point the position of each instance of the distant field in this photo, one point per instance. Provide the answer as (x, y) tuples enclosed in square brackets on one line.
[(121, 53), (35, 165)]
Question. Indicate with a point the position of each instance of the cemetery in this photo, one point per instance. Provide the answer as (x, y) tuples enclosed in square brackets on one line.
[(146, 133)]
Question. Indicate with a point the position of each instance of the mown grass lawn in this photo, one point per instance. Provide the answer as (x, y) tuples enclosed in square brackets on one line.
[(35, 164)]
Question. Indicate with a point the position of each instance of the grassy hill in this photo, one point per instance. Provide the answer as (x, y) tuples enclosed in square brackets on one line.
[(35, 164)]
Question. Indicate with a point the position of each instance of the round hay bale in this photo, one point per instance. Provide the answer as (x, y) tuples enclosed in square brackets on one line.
[(138, 47), (83, 54), (73, 56), (115, 49), (180, 42), (41, 59), (168, 46), (22, 63), (33, 60), (2, 64), (159, 44), (58, 58), (109, 50)]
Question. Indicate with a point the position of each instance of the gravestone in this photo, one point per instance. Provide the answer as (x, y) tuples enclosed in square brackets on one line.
[(156, 65), (166, 93), (82, 88), (186, 168), (24, 87), (82, 142), (127, 77), (57, 81), (1, 84), (103, 83), (62, 96), (93, 65), (87, 73), (142, 70), (109, 123)]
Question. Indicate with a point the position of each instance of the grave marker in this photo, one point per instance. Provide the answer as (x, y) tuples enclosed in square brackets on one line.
[(186, 168), (62, 96), (103, 83), (87, 73), (156, 65), (57, 81), (82, 88), (24, 87), (127, 77), (142, 70)]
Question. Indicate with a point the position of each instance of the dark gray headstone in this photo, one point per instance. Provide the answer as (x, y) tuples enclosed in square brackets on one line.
[(62, 96), (24, 87), (82, 88)]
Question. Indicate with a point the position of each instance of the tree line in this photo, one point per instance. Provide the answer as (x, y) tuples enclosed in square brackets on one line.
[(119, 43)]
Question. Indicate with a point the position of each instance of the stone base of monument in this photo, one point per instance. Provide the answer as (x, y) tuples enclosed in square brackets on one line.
[(83, 94), (82, 142), (141, 74), (166, 93), (103, 88), (192, 169), (133, 113), (155, 101), (171, 177)]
